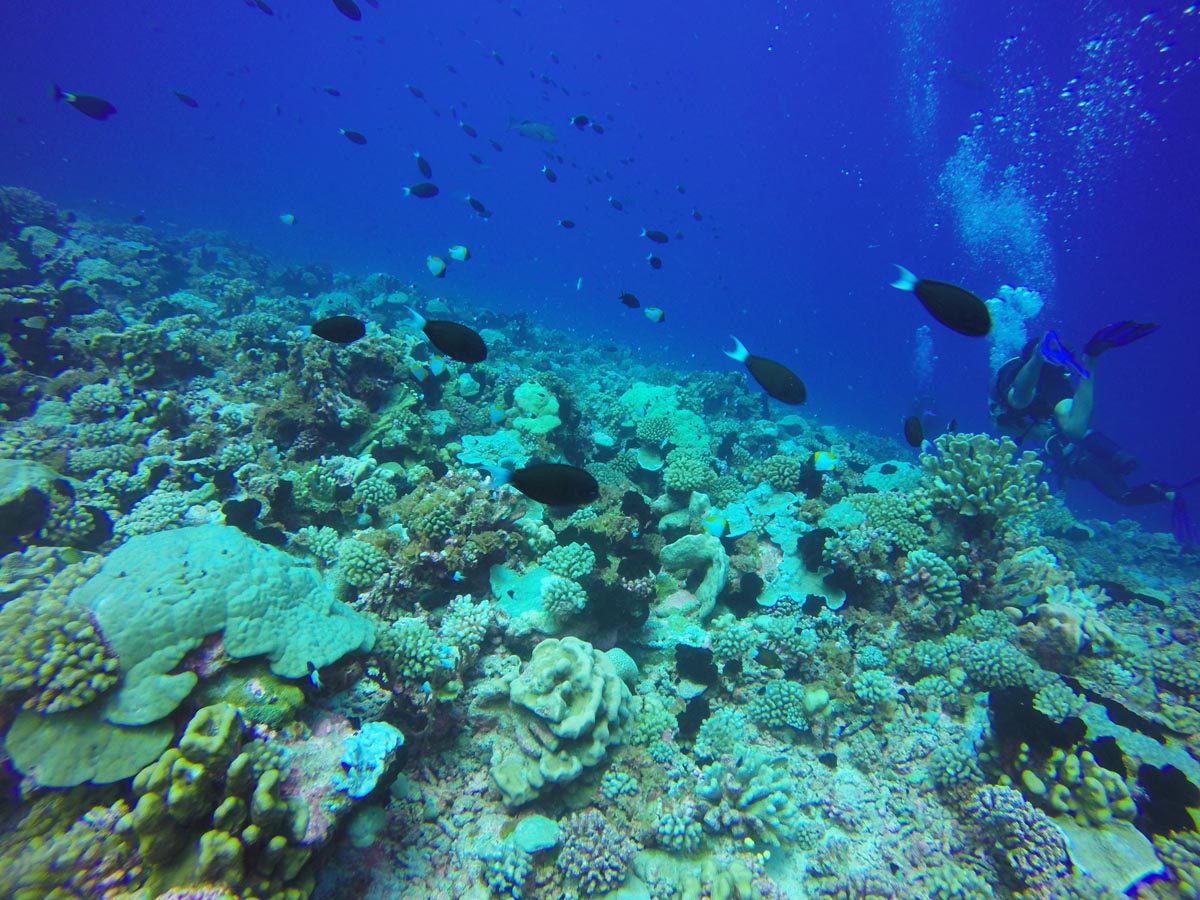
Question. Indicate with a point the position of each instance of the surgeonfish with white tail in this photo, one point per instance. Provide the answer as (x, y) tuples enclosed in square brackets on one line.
[(955, 307), (774, 377), (454, 340), (555, 484)]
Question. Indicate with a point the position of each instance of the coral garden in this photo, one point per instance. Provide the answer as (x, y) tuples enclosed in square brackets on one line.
[(269, 630)]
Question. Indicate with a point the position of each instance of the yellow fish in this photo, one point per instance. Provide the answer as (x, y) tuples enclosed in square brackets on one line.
[(824, 461), (459, 253), (436, 265), (714, 524)]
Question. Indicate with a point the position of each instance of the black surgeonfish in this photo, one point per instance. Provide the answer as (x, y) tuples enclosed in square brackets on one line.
[(415, 91), (566, 223), (655, 262), (468, 130), (93, 107), (629, 300), (185, 99), (555, 484), (549, 173), (423, 165), (955, 307), (353, 137), (914, 433), (616, 204), (261, 4), (775, 378), (340, 329), (452, 339), (349, 9), (422, 189), (479, 207), (659, 237)]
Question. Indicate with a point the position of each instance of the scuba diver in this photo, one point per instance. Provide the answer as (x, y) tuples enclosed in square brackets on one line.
[(1034, 402)]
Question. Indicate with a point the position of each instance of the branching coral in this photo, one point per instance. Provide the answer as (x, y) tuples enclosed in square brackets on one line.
[(983, 478), (1031, 851), (750, 797), (573, 561), (594, 854)]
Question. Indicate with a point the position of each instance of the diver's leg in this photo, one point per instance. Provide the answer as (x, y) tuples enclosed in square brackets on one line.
[(1020, 394), (1075, 415)]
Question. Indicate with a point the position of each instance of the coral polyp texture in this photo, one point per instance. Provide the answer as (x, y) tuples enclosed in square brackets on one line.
[(273, 625)]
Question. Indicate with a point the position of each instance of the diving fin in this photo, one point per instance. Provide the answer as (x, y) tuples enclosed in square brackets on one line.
[(1118, 334)]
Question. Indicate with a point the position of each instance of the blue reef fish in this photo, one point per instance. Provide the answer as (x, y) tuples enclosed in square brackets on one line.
[(566, 223), (628, 299), (91, 106), (659, 237), (349, 9), (422, 189), (535, 131), (496, 412), (824, 461), (714, 524), (580, 121), (655, 262), (436, 265), (423, 165), (418, 371), (437, 365), (476, 204), (955, 307), (185, 99), (354, 137), (467, 129), (331, 91), (288, 218), (654, 314), (549, 173), (459, 253), (616, 204), (415, 91)]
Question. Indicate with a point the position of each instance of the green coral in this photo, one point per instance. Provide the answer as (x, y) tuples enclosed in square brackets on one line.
[(562, 598), (654, 430), (464, 626), (951, 882), (324, 543), (537, 409), (932, 576), (780, 704), (678, 830), (1071, 782), (212, 810), (732, 638), (721, 733), (982, 477), (262, 698), (750, 797), (904, 516), (875, 689), (51, 655), (410, 648), (361, 564), (686, 470), (651, 721), (996, 663), (783, 472), (573, 561)]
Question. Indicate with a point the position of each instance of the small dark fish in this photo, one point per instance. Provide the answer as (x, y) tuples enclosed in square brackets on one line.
[(554, 484), (549, 173), (185, 99), (422, 189), (450, 68), (353, 137), (828, 760), (566, 223), (914, 432), (476, 158), (349, 9), (681, 188), (477, 205), (659, 237), (696, 215), (955, 307), (137, 218), (496, 145), (450, 338), (497, 57), (952, 426), (374, 4), (616, 204), (93, 107), (598, 128), (340, 329), (655, 262), (679, 235), (423, 165), (261, 4), (313, 675), (629, 300), (775, 378), (580, 122), (331, 91), (553, 56), (415, 91), (467, 129)]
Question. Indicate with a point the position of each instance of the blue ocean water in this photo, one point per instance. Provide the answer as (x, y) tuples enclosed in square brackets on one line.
[(792, 153), (812, 138)]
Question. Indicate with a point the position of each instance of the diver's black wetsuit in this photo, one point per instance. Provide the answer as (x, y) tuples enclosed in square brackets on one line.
[(1095, 457)]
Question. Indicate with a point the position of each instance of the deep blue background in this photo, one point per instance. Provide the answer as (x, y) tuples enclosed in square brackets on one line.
[(789, 126)]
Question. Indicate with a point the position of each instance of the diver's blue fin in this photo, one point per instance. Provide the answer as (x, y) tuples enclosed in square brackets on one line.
[(1118, 334)]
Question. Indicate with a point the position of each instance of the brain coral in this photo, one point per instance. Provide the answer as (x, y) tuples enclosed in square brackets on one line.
[(570, 705)]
